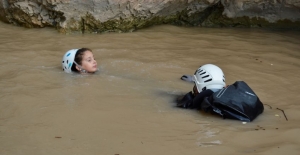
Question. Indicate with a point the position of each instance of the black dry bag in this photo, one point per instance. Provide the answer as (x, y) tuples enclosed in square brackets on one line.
[(237, 101)]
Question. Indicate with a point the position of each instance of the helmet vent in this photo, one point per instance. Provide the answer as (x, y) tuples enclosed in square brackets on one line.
[(207, 80), (198, 71), (67, 61), (205, 76), (202, 73)]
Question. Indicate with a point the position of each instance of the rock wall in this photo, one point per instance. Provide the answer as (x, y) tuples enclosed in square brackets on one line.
[(264, 13), (127, 15)]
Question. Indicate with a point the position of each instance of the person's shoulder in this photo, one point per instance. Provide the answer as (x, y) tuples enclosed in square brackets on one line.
[(207, 92)]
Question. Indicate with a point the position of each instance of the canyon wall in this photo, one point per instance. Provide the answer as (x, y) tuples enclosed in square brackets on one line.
[(96, 16)]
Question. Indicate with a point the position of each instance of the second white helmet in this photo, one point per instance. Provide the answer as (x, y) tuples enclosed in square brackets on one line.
[(68, 60), (209, 76)]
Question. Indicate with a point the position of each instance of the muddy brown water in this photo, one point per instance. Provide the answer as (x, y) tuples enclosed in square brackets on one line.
[(128, 107)]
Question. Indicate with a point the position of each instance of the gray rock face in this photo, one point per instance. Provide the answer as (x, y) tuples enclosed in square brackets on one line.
[(128, 15), (271, 10), (256, 13)]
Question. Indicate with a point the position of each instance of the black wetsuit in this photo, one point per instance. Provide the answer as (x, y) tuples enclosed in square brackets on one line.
[(193, 102), (189, 100), (236, 101)]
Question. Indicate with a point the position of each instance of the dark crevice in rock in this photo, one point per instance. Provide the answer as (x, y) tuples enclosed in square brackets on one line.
[(41, 16), (18, 17), (82, 25), (197, 18)]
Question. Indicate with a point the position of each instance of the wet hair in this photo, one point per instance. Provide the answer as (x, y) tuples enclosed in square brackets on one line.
[(78, 58)]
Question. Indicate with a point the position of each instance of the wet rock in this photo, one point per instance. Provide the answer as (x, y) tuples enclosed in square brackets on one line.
[(97, 16), (263, 13)]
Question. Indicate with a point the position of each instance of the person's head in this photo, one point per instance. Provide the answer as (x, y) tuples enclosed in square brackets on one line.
[(79, 60), (208, 76)]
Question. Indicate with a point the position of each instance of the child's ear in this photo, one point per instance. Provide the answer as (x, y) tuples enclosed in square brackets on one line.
[(77, 68)]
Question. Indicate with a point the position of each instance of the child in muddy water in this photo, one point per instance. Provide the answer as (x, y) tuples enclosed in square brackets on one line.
[(79, 60), (210, 94)]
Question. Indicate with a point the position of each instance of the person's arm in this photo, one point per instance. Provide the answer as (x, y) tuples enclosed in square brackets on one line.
[(185, 101), (200, 97), (190, 101)]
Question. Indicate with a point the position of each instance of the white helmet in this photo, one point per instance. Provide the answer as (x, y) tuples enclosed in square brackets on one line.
[(68, 60), (209, 76)]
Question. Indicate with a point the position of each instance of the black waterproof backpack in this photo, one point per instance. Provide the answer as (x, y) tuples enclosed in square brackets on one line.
[(237, 101)]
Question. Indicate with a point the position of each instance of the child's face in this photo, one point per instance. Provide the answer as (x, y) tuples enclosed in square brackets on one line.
[(88, 62)]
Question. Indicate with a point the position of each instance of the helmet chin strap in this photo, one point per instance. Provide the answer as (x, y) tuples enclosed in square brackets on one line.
[(80, 68)]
